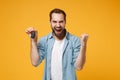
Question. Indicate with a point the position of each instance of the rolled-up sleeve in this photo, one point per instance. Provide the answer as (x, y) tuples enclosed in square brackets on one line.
[(76, 49), (41, 49)]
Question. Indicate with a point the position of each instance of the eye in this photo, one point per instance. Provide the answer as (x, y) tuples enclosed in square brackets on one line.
[(54, 21), (61, 22)]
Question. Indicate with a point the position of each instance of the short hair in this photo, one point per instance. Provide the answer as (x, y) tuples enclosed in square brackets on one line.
[(59, 11)]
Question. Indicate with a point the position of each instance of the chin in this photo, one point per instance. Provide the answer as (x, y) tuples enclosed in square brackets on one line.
[(57, 34)]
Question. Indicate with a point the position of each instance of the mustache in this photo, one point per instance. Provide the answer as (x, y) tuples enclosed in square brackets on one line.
[(58, 27), (55, 28)]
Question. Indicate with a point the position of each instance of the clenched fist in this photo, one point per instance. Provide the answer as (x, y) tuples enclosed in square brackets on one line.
[(29, 31), (84, 38)]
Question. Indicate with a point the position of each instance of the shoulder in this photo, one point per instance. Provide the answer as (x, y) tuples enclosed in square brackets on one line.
[(44, 39), (73, 38)]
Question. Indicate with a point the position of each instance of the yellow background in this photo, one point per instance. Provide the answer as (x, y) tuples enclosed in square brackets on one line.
[(99, 18)]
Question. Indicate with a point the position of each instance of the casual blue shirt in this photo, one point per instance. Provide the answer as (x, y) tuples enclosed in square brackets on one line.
[(70, 52)]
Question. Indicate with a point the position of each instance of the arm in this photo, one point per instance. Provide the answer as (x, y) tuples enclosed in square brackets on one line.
[(33, 47), (80, 61)]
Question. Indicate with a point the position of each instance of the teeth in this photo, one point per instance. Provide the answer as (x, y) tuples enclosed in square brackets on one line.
[(58, 29)]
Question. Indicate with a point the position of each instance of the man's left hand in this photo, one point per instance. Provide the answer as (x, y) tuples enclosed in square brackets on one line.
[(84, 38)]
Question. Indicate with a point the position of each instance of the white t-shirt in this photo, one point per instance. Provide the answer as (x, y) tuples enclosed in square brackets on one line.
[(56, 60)]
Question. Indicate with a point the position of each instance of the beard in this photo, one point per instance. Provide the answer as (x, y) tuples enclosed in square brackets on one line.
[(58, 31)]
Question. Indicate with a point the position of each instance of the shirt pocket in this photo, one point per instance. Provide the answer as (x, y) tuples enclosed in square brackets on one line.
[(69, 55)]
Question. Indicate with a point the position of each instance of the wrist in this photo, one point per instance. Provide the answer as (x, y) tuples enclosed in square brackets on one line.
[(83, 44), (33, 40)]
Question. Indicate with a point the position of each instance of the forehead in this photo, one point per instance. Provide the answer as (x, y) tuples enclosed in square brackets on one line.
[(57, 16)]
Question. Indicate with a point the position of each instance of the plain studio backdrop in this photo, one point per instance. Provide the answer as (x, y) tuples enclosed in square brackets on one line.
[(99, 18)]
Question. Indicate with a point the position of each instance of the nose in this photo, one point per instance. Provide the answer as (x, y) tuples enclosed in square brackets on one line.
[(58, 24)]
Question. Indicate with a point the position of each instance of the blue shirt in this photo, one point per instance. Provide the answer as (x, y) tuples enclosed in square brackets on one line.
[(70, 52)]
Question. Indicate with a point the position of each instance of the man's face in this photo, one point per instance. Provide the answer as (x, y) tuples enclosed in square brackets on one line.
[(58, 24)]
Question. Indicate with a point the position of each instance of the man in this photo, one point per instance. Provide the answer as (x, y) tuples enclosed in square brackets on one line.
[(62, 51)]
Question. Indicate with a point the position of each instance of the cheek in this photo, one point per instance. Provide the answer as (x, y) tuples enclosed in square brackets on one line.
[(52, 25), (63, 25)]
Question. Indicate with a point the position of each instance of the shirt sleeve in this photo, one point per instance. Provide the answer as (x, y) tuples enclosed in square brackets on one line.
[(76, 49), (41, 49)]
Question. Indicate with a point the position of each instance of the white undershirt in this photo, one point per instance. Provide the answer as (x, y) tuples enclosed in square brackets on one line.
[(56, 60)]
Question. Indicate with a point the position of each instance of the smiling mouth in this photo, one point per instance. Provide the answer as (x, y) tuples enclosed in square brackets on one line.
[(59, 32), (58, 29)]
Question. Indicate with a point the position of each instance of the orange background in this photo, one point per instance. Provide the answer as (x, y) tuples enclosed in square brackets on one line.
[(99, 18)]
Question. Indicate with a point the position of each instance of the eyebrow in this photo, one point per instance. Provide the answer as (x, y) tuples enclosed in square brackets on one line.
[(59, 21), (54, 21)]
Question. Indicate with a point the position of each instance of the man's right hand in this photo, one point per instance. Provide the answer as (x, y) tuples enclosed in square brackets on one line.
[(29, 31), (33, 47)]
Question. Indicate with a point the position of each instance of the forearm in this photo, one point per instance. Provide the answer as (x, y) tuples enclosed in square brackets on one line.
[(34, 53), (81, 57)]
